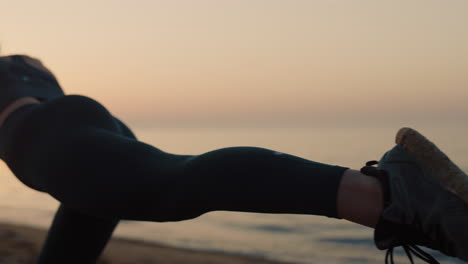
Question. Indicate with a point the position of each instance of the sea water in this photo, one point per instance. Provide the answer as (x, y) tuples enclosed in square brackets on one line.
[(286, 237)]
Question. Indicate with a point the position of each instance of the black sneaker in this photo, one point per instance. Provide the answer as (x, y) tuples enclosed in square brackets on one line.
[(422, 207)]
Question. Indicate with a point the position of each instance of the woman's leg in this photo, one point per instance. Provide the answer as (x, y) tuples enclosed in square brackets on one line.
[(111, 176), (75, 237), (71, 149)]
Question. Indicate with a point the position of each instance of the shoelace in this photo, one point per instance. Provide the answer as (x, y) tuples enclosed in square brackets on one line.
[(410, 249)]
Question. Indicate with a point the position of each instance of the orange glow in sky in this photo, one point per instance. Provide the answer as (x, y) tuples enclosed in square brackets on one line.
[(178, 60)]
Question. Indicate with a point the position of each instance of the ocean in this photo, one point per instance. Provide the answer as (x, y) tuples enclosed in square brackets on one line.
[(286, 237)]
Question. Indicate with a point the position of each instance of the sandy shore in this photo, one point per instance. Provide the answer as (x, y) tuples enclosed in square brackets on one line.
[(21, 245)]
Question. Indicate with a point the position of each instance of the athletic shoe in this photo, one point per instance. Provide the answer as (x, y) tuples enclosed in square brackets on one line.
[(421, 207)]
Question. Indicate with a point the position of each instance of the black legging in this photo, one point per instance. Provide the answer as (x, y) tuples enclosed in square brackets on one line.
[(75, 150)]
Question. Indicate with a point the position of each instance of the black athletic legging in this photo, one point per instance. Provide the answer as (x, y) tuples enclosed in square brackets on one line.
[(75, 150)]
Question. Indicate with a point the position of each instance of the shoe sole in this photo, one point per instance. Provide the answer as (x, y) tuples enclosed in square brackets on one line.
[(434, 161)]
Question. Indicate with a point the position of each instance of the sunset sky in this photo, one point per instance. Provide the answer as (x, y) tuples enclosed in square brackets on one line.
[(158, 61)]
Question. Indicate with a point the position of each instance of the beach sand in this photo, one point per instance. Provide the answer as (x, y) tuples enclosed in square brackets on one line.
[(21, 245)]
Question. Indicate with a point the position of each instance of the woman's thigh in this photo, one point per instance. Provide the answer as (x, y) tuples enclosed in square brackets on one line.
[(75, 150), (42, 135), (109, 175)]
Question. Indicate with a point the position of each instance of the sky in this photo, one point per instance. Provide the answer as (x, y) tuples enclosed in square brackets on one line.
[(250, 60)]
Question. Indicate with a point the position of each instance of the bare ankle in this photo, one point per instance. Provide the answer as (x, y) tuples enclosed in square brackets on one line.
[(360, 198)]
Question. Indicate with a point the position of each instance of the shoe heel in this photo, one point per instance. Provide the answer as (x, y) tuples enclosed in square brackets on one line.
[(432, 159)]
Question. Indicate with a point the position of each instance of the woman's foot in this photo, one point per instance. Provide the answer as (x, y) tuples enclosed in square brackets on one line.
[(419, 208)]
